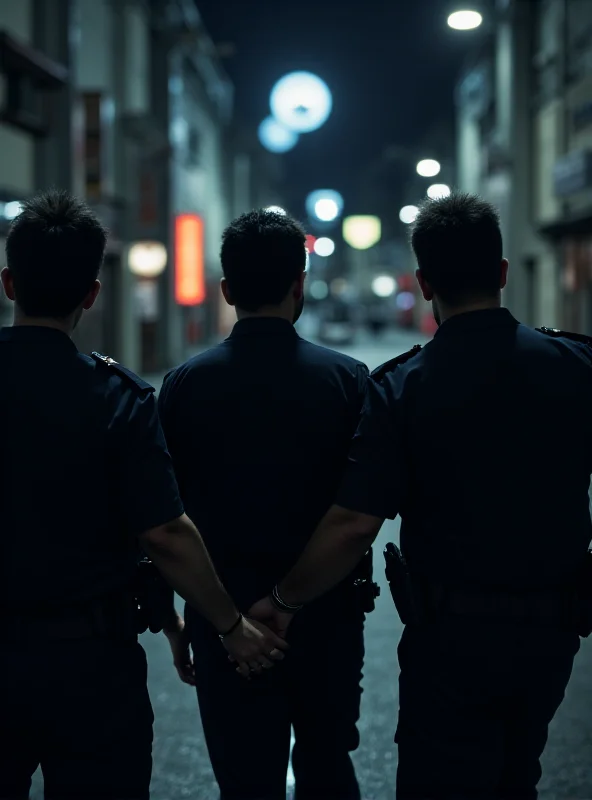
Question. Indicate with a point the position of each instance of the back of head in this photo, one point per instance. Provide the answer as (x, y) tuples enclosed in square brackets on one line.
[(54, 251), (458, 245), (263, 254)]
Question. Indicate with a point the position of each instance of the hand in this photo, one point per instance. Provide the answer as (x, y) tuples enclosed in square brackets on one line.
[(254, 647), (178, 637), (265, 611)]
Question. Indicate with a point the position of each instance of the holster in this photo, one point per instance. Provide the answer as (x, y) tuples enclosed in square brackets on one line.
[(154, 598), (399, 581), (364, 584)]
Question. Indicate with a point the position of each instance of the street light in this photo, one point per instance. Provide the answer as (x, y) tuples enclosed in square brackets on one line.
[(362, 232), (301, 101), (465, 20), (324, 246), (147, 259), (438, 191), (408, 214), (324, 204), (428, 168), (275, 137)]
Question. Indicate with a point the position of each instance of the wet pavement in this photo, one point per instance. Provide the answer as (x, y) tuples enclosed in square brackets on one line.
[(181, 766)]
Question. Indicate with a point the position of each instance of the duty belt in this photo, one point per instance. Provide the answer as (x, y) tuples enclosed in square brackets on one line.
[(111, 618), (552, 608)]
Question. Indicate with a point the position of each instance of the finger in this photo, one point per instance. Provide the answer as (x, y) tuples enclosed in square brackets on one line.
[(276, 655), (276, 642), (265, 662), (243, 669), (255, 667)]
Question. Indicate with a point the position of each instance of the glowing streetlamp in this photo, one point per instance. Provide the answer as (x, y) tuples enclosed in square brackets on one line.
[(324, 246), (275, 137), (147, 259), (325, 205), (438, 191), (362, 232), (428, 168), (301, 102), (408, 214), (465, 20)]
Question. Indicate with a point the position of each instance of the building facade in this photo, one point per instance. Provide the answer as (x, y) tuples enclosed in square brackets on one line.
[(126, 103), (525, 142)]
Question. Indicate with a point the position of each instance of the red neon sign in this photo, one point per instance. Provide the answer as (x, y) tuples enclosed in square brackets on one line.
[(190, 282)]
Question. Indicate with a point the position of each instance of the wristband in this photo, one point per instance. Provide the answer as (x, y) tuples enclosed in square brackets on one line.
[(231, 630), (281, 605)]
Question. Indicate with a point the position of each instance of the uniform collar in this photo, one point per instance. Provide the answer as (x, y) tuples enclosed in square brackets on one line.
[(477, 320), (37, 334), (263, 326)]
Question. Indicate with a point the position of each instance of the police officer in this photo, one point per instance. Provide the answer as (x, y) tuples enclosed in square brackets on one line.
[(85, 474), (259, 428), (482, 443)]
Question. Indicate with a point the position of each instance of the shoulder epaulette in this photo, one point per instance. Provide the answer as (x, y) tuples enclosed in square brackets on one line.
[(379, 373), (576, 337), (139, 383)]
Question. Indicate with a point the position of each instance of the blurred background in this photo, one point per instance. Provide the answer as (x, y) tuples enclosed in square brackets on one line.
[(173, 116)]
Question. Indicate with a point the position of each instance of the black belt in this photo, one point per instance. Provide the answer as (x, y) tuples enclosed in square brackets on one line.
[(551, 609), (102, 619)]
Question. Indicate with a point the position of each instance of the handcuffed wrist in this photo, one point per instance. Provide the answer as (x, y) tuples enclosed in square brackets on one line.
[(232, 629), (281, 604)]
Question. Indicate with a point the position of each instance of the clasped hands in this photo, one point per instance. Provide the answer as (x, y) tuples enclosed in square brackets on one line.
[(255, 646)]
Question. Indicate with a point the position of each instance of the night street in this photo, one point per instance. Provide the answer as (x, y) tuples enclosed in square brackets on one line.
[(181, 766)]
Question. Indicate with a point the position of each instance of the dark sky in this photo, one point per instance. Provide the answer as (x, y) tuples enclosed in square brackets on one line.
[(391, 66)]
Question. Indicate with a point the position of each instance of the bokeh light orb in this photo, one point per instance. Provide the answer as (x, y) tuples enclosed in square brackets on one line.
[(326, 205), (384, 286), (438, 191), (465, 20), (275, 137), (408, 214), (324, 246), (301, 102), (428, 168)]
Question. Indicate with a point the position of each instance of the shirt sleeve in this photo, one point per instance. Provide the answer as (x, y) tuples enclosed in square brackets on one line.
[(375, 478), (149, 495)]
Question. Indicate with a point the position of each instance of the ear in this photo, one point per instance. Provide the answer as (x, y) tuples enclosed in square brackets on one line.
[(298, 290), (504, 273), (225, 291), (90, 298), (7, 283), (426, 289)]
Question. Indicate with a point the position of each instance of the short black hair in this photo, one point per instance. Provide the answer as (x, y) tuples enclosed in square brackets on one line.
[(262, 254), (54, 250), (458, 245)]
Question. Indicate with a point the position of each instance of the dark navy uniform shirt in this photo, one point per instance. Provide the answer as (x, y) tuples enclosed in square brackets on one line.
[(482, 442), (259, 428), (84, 469)]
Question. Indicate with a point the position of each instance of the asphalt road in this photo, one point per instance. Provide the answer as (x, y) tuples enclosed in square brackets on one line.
[(182, 769)]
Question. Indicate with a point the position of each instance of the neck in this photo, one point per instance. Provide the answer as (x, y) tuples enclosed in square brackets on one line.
[(453, 311), (264, 313), (21, 319)]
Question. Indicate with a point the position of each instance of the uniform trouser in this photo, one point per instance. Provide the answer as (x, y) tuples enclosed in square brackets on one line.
[(476, 701), (316, 689), (81, 711)]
